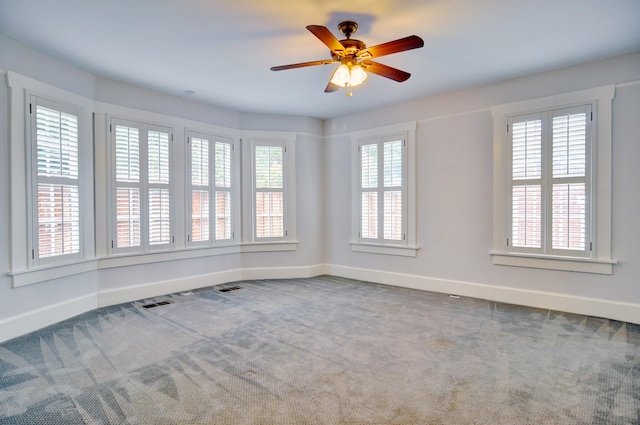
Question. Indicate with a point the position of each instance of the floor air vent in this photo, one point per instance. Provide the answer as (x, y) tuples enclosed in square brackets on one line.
[(157, 304), (231, 288)]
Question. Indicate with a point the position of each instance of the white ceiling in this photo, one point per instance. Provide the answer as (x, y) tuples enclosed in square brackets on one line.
[(222, 50)]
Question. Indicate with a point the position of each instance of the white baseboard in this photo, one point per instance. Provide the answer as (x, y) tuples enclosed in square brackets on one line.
[(136, 292), (33, 320), (626, 312)]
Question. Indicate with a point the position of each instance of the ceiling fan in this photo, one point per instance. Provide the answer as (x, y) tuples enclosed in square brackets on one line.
[(355, 57)]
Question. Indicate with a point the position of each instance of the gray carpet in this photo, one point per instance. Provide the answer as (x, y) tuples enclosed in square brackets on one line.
[(322, 351)]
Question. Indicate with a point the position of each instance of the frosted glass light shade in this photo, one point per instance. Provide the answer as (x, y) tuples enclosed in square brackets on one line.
[(341, 76), (357, 75)]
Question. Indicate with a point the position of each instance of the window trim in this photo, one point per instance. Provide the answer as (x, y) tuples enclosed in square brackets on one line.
[(20, 88), (408, 247), (600, 261)]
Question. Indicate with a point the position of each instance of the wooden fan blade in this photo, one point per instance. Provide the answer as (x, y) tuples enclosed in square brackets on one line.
[(386, 71), (396, 46), (302, 65), (327, 38), (331, 87)]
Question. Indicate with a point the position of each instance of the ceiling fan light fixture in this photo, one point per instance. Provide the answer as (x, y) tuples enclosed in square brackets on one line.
[(348, 75)]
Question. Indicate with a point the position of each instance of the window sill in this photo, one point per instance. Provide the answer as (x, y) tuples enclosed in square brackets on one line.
[(402, 251), (44, 273), (192, 252), (583, 265)]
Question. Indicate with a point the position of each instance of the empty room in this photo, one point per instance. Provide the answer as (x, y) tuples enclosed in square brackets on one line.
[(267, 212)]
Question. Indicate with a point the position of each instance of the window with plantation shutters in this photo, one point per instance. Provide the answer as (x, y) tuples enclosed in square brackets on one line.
[(550, 192), (382, 190), (54, 130), (211, 188), (141, 180), (269, 190)]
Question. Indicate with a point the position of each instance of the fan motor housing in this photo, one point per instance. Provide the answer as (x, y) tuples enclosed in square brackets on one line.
[(351, 46)]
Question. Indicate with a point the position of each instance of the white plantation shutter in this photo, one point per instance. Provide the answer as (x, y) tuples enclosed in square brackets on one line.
[(369, 188), (211, 189), (57, 201), (549, 211), (268, 172), (526, 181), (569, 178), (393, 177), (382, 190), (142, 195), (199, 189), (158, 181), (222, 183), (127, 167)]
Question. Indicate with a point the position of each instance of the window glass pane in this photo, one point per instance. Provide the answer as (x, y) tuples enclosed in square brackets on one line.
[(57, 143), (569, 145), (369, 229), (269, 214), (58, 220), (369, 165), (127, 154), (269, 167), (159, 225), (569, 216), (392, 215), (223, 215), (158, 148), (199, 215), (527, 149), (393, 163), (128, 217), (526, 219), (223, 164), (199, 162)]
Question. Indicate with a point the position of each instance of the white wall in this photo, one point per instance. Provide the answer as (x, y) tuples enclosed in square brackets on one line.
[(454, 199)]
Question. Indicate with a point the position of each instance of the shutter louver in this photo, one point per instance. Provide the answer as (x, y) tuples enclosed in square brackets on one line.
[(128, 217), (199, 162), (569, 216), (199, 215), (369, 166), (369, 219), (526, 220), (527, 150), (223, 215), (58, 202), (569, 145), (392, 215), (58, 220), (269, 215), (159, 216)]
